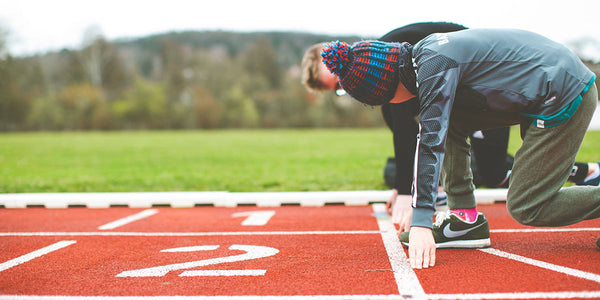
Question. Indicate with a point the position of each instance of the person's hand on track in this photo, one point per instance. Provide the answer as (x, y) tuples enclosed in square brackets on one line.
[(399, 208), (421, 249)]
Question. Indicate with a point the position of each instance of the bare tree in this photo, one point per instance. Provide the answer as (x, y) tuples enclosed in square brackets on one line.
[(95, 54), (103, 64), (3, 43)]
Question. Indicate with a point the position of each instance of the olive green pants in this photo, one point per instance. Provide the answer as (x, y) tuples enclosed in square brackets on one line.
[(542, 166)]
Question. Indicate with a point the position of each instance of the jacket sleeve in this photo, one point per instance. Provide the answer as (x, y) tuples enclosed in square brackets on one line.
[(438, 78)]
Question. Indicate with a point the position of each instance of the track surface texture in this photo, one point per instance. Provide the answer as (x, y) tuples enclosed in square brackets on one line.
[(285, 252)]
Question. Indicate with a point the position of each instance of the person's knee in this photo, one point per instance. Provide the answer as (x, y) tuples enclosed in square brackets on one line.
[(521, 216), (523, 212)]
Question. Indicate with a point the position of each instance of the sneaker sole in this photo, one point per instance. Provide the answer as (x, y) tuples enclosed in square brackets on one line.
[(466, 244)]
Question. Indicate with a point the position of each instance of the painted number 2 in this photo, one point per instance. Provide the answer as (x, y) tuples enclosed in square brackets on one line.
[(252, 252)]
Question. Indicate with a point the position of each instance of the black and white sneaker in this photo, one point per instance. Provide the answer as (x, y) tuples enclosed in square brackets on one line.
[(452, 231)]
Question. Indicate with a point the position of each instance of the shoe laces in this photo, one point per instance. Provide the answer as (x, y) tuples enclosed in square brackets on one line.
[(440, 217)]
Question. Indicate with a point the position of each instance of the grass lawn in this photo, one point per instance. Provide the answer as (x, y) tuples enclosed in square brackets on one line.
[(216, 160)]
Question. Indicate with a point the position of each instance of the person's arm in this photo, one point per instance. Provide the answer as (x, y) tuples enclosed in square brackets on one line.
[(405, 129), (438, 79)]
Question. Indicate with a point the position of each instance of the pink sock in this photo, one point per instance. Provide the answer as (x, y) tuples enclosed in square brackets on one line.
[(467, 214)]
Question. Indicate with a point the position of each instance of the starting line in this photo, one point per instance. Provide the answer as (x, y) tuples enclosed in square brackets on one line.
[(217, 199)]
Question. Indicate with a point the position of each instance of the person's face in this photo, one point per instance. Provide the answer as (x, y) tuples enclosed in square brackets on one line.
[(328, 80)]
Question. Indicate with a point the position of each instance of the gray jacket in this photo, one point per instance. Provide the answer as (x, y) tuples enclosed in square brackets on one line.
[(513, 71)]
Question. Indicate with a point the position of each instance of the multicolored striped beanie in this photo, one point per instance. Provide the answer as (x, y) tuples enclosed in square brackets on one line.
[(369, 70)]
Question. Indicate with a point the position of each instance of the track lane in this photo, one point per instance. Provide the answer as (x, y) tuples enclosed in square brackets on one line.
[(332, 252)]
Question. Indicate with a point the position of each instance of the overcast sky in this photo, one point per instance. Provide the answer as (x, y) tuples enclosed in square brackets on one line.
[(37, 26)]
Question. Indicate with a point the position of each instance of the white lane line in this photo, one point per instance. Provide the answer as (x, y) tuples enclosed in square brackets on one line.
[(406, 279), (225, 233), (171, 234), (545, 265), (118, 223), (525, 295), (531, 230), (35, 254)]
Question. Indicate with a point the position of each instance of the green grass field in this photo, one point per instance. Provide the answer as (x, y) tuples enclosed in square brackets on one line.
[(219, 160)]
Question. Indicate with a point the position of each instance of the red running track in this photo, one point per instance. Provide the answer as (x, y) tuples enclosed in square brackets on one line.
[(330, 252)]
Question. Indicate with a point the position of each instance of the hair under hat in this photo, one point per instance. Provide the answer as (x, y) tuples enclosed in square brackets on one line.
[(368, 71)]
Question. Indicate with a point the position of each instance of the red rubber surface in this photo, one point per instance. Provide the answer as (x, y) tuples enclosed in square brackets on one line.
[(331, 250)]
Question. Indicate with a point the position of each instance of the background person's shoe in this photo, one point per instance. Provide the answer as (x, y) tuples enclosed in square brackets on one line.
[(454, 232), (441, 203), (595, 181), (442, 199)]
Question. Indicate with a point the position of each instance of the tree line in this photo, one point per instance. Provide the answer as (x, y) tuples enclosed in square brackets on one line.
[(176, 80)]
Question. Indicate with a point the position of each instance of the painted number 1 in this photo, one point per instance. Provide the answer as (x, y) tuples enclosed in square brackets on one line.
[(255, 218), (252, 252)]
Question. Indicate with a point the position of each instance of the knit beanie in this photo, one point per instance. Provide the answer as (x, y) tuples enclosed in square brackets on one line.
[(369, 70)]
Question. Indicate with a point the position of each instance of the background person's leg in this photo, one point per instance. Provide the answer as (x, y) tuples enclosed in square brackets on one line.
[(490, 160)]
